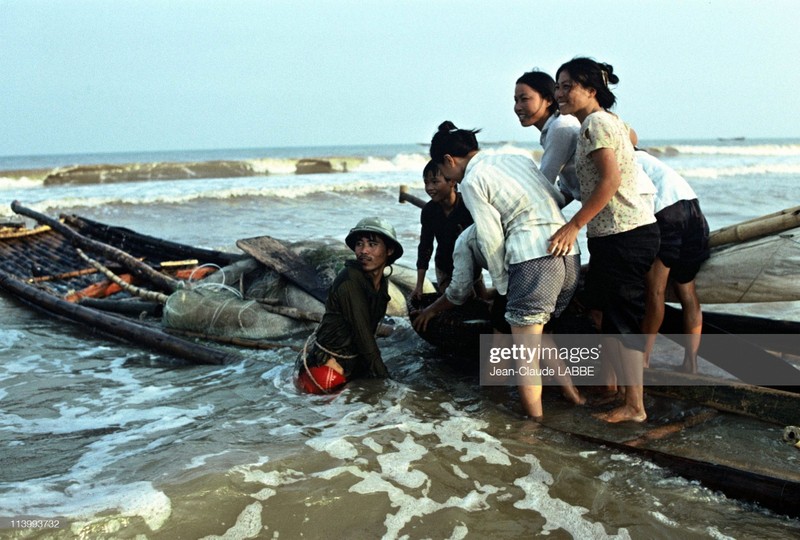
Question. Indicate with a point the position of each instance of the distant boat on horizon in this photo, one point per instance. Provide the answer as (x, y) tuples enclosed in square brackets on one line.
[(730, 138)]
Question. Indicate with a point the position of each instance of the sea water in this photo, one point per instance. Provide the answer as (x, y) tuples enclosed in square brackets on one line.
[(117, 442)]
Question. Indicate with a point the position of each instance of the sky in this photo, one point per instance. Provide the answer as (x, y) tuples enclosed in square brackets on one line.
[(88, 76)]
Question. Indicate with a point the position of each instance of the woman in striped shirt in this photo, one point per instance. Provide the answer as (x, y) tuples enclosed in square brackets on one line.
[(515, 210)]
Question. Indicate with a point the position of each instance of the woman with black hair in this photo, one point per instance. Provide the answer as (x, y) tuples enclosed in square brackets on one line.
[(535, 105), (515, 210), (623, 237)]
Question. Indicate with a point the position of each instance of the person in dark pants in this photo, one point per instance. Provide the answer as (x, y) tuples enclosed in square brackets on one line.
[(442, 219), (623, 237)]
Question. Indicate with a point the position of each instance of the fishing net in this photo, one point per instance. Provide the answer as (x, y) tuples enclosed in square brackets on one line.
[(217, 307), (233, 302)]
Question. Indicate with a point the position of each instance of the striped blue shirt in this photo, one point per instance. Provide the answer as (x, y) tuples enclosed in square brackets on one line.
[(515, 210)]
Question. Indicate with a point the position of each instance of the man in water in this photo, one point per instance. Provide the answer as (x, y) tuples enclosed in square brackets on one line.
[(343, 346)]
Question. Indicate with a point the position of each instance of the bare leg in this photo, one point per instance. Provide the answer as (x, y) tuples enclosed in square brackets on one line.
[(608, 375), (655, 287), (631, 364), (531, 394), (334, 365), (567, 388), (692, 323)]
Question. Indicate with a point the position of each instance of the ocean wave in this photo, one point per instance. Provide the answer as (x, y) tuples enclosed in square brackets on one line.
[(726, 150), (149, 171), (742, 170), (21, 182), (176, 195)]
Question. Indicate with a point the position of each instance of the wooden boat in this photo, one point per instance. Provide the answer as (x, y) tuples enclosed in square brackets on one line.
[(685, 415), (685, 412), (43, 265), (456, 333), (743, 458)]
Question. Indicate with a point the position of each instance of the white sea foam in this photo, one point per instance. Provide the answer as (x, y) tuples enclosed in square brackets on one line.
[(248, 525), (661, 518), (335, 446), (396, 465), (743, 170), (370, 443), (9, 338), (738, 150), (557, 513), (466, 434), (408, 506), (399, 472), (200, 461), (715, 533), (88, 505)]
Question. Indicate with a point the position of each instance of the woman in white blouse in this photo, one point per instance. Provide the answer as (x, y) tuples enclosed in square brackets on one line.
[(623, 237), (535, 105)]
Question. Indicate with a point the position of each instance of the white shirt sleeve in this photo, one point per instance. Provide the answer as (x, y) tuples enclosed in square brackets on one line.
[(489, 229), (559, 147), (464, 262)]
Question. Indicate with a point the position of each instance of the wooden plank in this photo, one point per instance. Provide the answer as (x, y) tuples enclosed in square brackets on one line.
[(778, 494), (767, 404), (748, 361), (276, 256)]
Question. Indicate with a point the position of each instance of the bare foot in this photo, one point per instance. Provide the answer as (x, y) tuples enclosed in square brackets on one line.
[(624, 413), (573, 396), (688, 367), (606, 398)]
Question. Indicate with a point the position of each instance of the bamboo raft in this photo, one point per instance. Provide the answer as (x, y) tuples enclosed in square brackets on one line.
[(42, 266)]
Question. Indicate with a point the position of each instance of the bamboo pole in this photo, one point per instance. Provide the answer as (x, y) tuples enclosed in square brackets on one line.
[(120, 327), (65, 275), (757, 227), (405, 196), (124, 285)]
